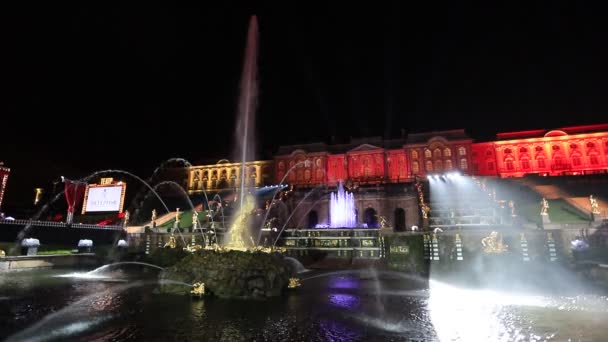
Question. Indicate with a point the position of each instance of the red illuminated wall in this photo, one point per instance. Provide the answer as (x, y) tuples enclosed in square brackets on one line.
[(566, 151), (397, 165), (306, 168)]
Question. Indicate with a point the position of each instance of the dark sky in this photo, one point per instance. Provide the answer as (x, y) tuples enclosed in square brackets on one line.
[(128, 86)]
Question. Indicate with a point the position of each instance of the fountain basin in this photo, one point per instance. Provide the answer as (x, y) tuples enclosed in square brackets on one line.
[(230, 274)]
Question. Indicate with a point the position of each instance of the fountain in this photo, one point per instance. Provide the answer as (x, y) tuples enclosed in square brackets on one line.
[(244, 136), (342, 209)]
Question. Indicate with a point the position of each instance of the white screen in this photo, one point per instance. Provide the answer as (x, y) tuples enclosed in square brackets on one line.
[(106, 198)]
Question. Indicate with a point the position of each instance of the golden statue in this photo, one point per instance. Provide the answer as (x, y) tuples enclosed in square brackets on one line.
[(425, 211), (172, 242), (2, 253), (126, 222), (153, 215), (382, 221), (544, 207), (198, 289), (293, 283), (177, 216), (193, 249), (493, 244), (595, 208)]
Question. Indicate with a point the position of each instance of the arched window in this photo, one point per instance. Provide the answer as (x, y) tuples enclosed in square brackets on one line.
[(540, 161), (593, 158), (429, 166), (415, 167), (590, 145), (523, 150), (399, 219), (438, 165), (414, 154), (509, 164), (525, 163), (462, 151), (306, 175), (555, 148), (313, 219), (508, 151), (437, 153), (464, 164), (538, 149), (576, 159), (448, 164), (447, 152), (558, 162), (427, 153)]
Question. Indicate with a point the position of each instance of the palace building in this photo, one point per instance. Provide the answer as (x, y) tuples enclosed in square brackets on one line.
[(383, 171)]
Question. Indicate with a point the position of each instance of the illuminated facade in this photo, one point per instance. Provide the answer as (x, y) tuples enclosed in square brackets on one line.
[(4, 172), (373, 161), (227, 175), (565, 151)]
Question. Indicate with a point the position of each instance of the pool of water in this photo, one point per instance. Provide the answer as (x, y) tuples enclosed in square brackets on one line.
[(329, 306)]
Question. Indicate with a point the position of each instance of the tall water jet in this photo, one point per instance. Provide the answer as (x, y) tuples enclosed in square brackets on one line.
[(244, 130), (342, 209)]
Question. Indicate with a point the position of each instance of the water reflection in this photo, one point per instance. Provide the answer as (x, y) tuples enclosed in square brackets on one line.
[(335, 307)]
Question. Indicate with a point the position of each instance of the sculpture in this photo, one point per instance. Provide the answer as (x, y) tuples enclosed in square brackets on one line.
[(194, 220), (493, 244), (153, 216), (198, 289), (172, 242), (293, 283), (544, 207), (126, 222), (595, 209)]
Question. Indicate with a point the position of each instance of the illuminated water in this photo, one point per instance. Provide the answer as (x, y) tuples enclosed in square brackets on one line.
[(330, 306)]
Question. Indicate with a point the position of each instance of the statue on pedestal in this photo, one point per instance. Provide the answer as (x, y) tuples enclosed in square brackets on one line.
[(595, 208), (176, 224), (126, 221), (544, 207), (194, 220), (512, 206), (153, 219)]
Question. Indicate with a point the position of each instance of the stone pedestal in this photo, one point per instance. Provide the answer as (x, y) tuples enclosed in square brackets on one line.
[(545, 219)]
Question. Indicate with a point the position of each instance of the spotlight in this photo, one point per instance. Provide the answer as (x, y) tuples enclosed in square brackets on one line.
[(429, 177)]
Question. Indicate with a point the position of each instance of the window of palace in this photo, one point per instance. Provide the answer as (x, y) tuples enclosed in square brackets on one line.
[(508, 151), (462, 151), (509, 164), (593, 159), (415, 167), (448, 164), (590, 145), (555, 148), (429, 166), (573, 146), (427, 153), (437, 153), (307, 175), (557, 161), (541, 162), (490, 165), (464, 164), (538, 149), (523, 150), (447, 152), (525, 163), (438, 165), (414, 154), (576, 159)]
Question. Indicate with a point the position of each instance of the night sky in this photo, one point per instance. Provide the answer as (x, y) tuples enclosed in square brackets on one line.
[(128, 86)]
